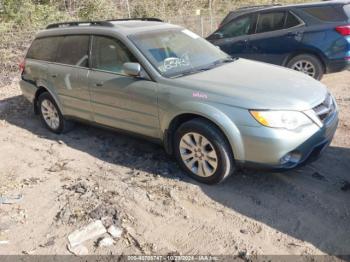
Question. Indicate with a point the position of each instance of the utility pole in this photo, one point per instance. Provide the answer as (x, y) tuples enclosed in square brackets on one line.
[(128, 7), (211, 14)]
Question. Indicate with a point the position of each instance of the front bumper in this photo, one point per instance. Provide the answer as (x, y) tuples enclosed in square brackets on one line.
[(307, 150)]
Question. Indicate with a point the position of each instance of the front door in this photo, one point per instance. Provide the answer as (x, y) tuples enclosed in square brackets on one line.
[(232, 38), (118, 100)]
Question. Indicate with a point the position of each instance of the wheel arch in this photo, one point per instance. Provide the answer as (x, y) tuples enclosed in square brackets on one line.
[(40, 90), (315, 53), (224, 124)]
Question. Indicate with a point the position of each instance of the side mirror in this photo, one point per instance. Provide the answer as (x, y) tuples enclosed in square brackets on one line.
[(132, 69), (218, 36)]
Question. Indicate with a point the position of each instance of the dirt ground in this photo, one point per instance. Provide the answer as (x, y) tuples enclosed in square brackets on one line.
[(70, 180)]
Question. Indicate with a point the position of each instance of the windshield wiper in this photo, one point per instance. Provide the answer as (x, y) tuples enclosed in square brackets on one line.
[(211, 66), (191, 72), (225, 60)]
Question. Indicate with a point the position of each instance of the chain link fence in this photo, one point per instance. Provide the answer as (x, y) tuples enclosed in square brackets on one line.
[(201, 25)]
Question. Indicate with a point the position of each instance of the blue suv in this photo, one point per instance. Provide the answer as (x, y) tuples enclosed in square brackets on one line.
[(313, 38)]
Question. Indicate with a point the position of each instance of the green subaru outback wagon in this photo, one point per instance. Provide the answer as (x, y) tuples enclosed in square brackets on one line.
[(214, 113)]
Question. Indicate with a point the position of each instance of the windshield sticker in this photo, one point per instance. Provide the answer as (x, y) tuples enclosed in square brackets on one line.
[(199, 95), (190, 34), (174, 62)]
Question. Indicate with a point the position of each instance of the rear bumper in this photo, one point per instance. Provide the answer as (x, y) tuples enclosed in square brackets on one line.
[(338, 65), (28, 89), (309, 151)]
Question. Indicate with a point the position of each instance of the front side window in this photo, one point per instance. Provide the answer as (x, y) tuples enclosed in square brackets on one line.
[(239, 27), (178, 52), (268, 22), (74, 51), (44, 49), (109, 54)]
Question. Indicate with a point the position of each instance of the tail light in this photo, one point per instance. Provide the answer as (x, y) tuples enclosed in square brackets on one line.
[(343, 30), (22, 66)]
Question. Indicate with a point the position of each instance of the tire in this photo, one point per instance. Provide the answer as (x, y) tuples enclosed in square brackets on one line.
[(308, 64), (188, 155), (46, 103)]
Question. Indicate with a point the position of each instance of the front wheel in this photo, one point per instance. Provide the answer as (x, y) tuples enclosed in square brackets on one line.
[(307, 64), (203, 152)]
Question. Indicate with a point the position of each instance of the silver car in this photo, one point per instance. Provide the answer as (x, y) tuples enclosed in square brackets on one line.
[(212, 112)]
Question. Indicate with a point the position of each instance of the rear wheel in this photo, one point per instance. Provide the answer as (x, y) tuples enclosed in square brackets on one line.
[(203, 152), (51, 115), (307, 64)]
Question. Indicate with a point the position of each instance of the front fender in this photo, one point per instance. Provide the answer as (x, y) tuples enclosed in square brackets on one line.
[(212, 113)]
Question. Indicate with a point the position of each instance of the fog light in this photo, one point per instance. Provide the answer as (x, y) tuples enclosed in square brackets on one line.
[(292, 157)]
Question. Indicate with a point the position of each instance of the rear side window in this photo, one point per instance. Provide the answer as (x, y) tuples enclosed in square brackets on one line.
[(109, 54), (74, 51), (239, 27), (268, 22), (327, 13), (292, 21), (44, 48)]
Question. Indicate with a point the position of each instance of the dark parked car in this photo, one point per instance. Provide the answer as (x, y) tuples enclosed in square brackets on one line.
[(313, 38)]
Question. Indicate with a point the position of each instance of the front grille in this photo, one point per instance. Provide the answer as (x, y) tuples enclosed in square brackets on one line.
[(325, 109)]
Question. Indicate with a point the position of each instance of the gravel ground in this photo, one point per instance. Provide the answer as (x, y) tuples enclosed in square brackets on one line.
[(67, 181)]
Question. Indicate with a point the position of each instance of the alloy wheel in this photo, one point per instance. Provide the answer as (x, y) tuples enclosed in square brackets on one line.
[(50, 114), (305, 67), (198, 154)]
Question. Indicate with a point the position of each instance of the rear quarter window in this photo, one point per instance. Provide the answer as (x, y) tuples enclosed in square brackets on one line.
[(292, 21), (347, 10), (44, 49), (327, 13)]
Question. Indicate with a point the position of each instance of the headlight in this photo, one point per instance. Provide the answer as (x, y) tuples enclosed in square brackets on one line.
[(290, 120)]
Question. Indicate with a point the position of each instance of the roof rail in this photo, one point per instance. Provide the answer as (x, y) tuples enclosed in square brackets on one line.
[(257, 6), (78, 23), (98, 23), (151, 19)]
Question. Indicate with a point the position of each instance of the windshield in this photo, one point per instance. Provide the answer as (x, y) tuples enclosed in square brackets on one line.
[(179, 52)]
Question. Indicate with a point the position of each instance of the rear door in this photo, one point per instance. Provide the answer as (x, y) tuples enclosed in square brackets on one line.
[(232, 37), (278, 34), (118, 100), (69, 76), (40, 54)]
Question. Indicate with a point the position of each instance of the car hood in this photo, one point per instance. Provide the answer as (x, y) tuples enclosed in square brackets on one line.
[(255, 85)]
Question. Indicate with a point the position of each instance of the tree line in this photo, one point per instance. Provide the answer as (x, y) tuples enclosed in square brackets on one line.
[(35, 13)]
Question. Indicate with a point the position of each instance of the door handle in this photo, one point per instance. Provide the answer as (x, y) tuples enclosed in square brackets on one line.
[(293, 34), (99, 84), (54, 76), (243, 42)]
